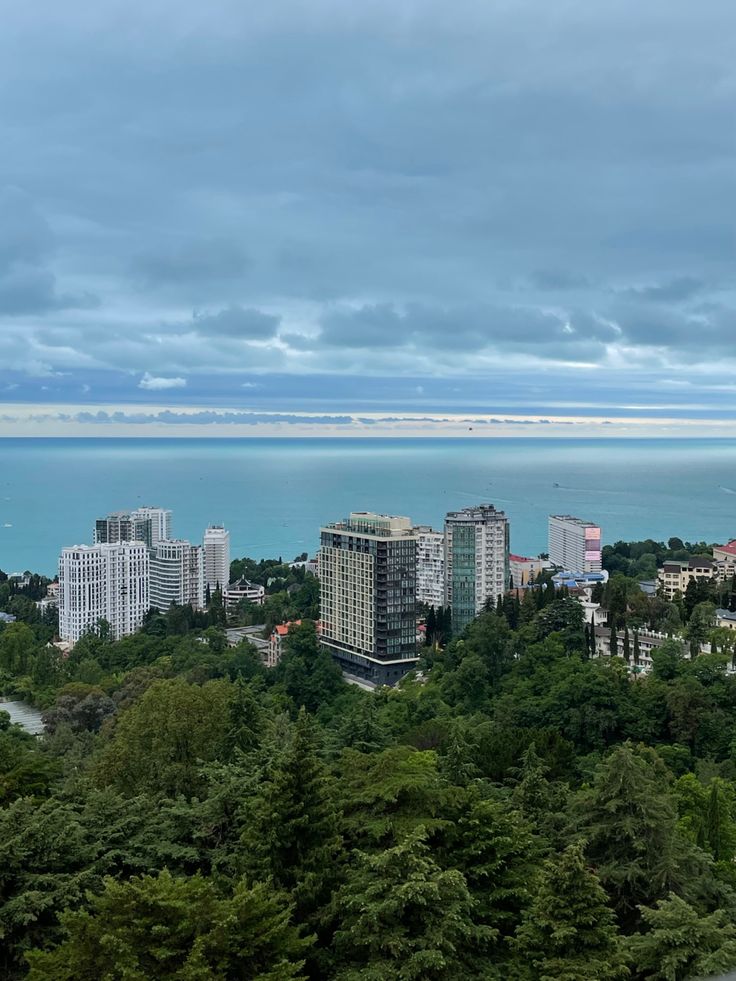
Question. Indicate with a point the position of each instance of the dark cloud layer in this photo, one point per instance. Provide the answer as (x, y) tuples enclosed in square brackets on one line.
[(393, 189)]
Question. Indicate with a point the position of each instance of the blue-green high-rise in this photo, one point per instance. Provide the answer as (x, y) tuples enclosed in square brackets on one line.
[(476, 561)]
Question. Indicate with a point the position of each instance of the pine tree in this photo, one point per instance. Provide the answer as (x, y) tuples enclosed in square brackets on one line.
[(405, 919), (456, 763), (292, 836), (569, 932), (680, 944), (175, 928), (537, 799), (629, 820), (493, 847)]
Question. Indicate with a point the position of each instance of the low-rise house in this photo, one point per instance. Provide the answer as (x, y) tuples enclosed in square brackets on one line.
[(524, 570), (726, 554), (6, 617), (280, 632), (726, 618)]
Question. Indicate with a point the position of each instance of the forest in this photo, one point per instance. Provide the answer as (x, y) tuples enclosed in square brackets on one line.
[(514, 809)]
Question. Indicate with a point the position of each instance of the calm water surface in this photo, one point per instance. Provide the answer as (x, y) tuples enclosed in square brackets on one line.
[(273, 494)]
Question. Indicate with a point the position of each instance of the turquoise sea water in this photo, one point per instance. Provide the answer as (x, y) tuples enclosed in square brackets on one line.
[(273, 494)]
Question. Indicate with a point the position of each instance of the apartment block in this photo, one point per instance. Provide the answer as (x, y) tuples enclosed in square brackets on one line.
[(430, 566), (524, 570), (476, 561), (574, 544), (674, 577), (368, 579), (216, 557), (177, 575), (107, 581)]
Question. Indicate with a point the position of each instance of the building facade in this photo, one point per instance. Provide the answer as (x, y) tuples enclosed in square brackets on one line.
[(153, 523), (243, 589), (430, 566), (524, 570), (675, 577), (177, 575), (216, 558), (107, 581), (476, 561), (144, 524), (574, 544), (368, 605)]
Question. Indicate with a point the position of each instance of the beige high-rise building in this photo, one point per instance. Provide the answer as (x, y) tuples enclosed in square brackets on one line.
[(367, 572)]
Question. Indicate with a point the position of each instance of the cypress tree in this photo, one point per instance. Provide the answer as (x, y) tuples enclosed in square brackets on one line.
[(627, 645), (720, 830), (637, 650), (431, 629), (613, 639), (569, 932)]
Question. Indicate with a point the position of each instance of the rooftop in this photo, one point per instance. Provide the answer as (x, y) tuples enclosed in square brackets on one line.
[(573, 520), (729, 547)]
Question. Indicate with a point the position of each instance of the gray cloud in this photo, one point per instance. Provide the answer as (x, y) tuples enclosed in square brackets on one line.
[(418, 189), (237, 322)]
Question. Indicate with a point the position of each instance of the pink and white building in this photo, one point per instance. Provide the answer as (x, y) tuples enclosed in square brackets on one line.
[(574, 544)]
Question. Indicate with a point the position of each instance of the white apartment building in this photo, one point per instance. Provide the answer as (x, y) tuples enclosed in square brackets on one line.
[(216, 557), (177, 575), (157, 523), (108, 581), (430, 566), (574, 544), (476, 561)]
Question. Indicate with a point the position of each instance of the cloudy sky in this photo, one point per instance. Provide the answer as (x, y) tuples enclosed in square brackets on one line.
[(516, 209)]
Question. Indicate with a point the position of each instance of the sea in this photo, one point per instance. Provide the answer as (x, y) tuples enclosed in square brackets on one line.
[(273, 494)]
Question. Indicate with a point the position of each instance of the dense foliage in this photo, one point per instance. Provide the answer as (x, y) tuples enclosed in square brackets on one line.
[(517, 810)]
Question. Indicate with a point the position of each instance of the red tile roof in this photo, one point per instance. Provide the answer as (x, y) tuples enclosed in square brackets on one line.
[(730, 548)]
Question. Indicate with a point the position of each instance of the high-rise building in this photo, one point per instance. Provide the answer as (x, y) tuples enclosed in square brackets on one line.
[(367, 571), (430, 566), (145, 524), (216, 557), (154, 523), (107, 581), (574, 544), (115, 527), (476, 561), (177, 575)]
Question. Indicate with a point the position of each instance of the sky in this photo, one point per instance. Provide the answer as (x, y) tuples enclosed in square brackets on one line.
[(235, 218)]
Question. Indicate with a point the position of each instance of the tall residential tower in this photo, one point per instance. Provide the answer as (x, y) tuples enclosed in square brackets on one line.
[(476, 561), (367, 572), (108, 581), (216, 558)]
